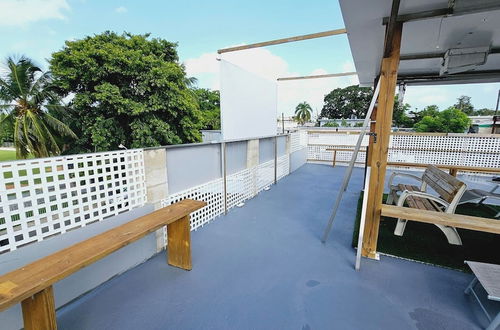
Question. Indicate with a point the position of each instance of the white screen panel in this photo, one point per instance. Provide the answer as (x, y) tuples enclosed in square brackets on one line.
[(248, 103)]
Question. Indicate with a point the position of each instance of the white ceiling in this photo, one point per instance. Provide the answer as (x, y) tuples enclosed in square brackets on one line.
[(363, 21)]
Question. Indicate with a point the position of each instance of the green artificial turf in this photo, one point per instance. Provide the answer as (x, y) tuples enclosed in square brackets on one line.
[(6, 155), (426, 243)]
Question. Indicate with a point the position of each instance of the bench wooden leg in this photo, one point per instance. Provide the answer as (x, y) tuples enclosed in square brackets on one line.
[(179, 244), (39, 311)]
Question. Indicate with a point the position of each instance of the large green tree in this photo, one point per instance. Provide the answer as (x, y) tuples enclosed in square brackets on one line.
[(128, 89), (209, 102), (451, 120), (344, 102), (26, 96)]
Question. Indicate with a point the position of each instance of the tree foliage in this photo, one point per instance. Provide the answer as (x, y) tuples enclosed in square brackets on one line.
[(344, 102), (27, 95), (128, 89), (303, 113), (209, 102), (463, 104), (451, 120)]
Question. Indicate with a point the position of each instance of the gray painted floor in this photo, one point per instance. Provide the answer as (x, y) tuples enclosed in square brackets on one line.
[(263, 267)]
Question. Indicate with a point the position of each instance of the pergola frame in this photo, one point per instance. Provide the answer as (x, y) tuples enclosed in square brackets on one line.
[(378, 148)]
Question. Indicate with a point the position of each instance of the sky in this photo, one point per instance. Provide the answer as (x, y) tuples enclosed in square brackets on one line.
[(37, 28)]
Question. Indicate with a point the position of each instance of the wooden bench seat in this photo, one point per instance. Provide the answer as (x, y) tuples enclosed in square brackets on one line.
[(32, 284), (448, 188)]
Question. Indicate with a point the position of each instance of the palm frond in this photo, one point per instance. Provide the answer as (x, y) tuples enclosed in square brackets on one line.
[(58, 126)]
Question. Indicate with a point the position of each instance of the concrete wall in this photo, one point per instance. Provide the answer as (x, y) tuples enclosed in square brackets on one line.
[(87, 278), (236, 153), (192, 165), (266, 150), (297, 159)]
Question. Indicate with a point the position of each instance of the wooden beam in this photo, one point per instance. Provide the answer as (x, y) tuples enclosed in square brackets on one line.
[(441, 218), (450, 167), (329, 75), (380, 149), (179, 243), (391, 25), (284, 40), (39, 311)]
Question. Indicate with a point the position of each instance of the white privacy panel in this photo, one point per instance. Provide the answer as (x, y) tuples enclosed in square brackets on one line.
[(44, 197), (240, 187), (248, 103)]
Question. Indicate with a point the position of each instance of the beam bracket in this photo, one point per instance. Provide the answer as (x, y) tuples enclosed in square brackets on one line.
[(374, 136)]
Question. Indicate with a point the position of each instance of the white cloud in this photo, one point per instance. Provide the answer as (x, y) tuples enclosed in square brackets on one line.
[(23, 12), (266, 64), (121, 10)]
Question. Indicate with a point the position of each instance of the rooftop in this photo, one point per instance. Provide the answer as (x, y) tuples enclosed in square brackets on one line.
[(263, 266)]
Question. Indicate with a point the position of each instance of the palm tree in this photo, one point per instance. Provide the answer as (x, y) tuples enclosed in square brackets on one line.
[(303, 113), (27, 95)]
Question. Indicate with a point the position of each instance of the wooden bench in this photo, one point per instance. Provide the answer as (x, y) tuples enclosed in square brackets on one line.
[(448, 188), (32, 284)]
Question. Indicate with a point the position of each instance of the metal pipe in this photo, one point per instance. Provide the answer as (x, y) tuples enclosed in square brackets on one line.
[(224, 175), (275, 159), (348, 172)]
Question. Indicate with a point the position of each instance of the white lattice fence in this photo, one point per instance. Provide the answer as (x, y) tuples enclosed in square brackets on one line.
[(298, 140), (452, 149), (240, 186), (462, 150), (44, 197)]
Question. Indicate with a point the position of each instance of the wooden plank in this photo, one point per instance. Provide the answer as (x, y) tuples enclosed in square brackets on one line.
[(179, 243), (39, 311), (380, 149), (329, 75), (441, 218), (42, 273), (457, 167), (284, 40)]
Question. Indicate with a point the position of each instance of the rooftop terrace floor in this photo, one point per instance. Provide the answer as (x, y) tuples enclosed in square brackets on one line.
[(263, 267)]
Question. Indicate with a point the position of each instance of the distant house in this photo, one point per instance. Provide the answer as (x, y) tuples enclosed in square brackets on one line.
[(354, 122), (484, 124)]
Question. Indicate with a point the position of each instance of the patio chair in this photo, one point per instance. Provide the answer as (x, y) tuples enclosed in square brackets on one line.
[(478, 196), (449, 191)]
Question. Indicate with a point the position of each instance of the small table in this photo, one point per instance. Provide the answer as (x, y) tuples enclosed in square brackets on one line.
[(489, 277)]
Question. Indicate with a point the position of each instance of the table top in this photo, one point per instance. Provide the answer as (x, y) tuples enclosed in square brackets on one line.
[(489, 277)]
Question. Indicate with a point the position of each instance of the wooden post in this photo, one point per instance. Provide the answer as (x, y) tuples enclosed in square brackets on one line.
[(179, 243), (39, 311), (334, 157), (453, 172), (379, 149)]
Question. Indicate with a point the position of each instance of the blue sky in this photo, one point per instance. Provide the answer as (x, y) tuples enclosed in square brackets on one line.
[(202, 27)]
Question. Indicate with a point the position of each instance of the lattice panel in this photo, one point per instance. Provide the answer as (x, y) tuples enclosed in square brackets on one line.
[(332, 138), (265, 175), (49, 196), (463, 150), (212, 193), (295, 141), (240, 186), (283, 166)]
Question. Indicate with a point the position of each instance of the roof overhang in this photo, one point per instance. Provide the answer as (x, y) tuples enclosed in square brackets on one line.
[(431, 27)]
